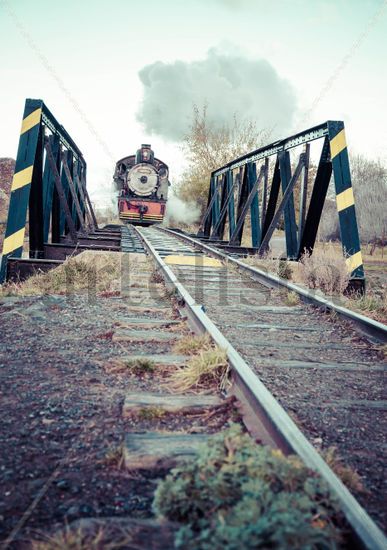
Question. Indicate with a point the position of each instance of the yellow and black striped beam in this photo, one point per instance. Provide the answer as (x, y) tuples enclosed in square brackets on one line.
[(21, 183), (345, 200)]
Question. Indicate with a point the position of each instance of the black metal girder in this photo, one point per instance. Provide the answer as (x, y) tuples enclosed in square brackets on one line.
[(64, 250)]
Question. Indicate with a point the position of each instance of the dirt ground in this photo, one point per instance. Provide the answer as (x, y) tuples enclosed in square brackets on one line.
[(61, 413)]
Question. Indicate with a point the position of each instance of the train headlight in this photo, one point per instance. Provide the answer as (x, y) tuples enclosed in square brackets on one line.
[(142, 179)]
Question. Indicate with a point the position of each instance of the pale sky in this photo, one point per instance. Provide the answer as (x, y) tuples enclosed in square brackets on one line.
[(83, 59)]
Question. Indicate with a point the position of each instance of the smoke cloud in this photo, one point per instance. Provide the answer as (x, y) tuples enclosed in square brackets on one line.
[(179, 211), (229, 83)]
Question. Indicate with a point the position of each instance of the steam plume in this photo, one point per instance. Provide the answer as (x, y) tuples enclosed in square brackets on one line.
[(227, 82), (179, 211)]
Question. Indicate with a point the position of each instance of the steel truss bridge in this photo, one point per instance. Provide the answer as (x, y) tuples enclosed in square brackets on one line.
[(49, 194)]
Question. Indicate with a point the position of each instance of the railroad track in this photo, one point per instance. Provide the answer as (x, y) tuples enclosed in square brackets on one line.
[(372, 328), (302, 376)]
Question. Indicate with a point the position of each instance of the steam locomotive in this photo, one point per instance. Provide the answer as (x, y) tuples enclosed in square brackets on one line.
[(142, 184)]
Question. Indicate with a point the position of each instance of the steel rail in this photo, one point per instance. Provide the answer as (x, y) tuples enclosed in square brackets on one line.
[(270, 413), (372, 328)]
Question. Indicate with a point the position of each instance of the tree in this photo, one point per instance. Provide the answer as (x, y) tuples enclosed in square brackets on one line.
[(369, 178), (208, 146)]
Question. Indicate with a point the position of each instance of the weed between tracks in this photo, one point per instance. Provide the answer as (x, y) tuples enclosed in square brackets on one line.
[(82, 539), (208, 368), (189, 345), (292, 299), (237, 494), (114, 457), (348, 476), (156, 277), (140, 366), (136, 366), (151, 413)]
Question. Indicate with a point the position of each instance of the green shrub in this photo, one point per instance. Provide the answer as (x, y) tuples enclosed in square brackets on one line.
[(237, 495)]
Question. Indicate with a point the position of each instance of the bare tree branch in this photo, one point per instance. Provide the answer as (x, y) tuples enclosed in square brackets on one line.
[(208, 146)]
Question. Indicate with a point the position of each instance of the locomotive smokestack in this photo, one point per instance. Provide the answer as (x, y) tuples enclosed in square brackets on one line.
[(145, 154)]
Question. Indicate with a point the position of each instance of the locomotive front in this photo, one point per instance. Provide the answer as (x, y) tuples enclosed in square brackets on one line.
[(142, 183)]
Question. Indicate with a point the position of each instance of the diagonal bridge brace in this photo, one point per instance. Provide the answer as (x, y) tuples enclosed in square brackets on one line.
[(73, 192), (284, 202), (246, 206), (61, 193), (215, 231)]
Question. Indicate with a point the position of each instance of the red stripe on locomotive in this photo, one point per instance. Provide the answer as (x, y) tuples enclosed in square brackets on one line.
[(141, 210)]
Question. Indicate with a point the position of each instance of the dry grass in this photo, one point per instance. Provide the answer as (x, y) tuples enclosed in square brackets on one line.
[(265, 263), (369, 252), (91, 271), (285, 270), (277, 266), (292, 299), (136, 366), (206, 369), (150, 413), (140, 366), (98, 270), (383, 350), (156, 277), (115, 457), (189, 345), (80, 539), (371, 305), (374, 303), (324, 270), (348, 476)]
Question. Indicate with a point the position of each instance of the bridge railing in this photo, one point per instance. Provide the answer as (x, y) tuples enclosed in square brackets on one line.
[(263, 183), (48, 188)]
